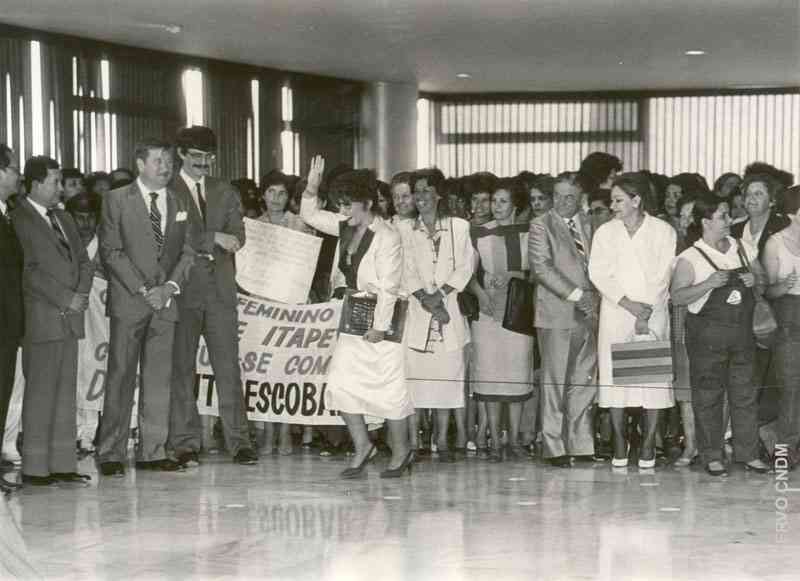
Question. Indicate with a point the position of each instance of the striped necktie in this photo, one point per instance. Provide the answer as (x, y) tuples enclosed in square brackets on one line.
[(155, 221), (59, 233), (201, 200), (576, 237)]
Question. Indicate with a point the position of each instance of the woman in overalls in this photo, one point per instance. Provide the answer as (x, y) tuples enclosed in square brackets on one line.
[(712, 278)]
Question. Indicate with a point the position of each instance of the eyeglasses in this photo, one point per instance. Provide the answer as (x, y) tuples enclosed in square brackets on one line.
[(202, 156)]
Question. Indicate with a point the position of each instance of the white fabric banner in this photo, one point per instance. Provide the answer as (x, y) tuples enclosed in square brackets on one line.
[(284, 353), (277, 263)]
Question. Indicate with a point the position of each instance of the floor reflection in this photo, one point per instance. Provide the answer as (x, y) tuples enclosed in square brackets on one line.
[(292, 518)]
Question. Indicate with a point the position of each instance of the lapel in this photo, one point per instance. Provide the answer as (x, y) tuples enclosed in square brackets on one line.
[(562, 230), (71, 234), (586, 226), (44, 226), (179, 185), (141, 212), (172, 210)]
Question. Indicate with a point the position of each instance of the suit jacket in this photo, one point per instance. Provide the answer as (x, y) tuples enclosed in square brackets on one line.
[(557, 269), (52, 275), (129, 251), (223, 214), (775, 223), (11, 310)]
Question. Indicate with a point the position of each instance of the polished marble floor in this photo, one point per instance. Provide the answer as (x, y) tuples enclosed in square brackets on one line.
[(291, 518)]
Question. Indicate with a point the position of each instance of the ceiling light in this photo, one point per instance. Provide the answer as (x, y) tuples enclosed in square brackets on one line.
[(464, 76), (695, 52)]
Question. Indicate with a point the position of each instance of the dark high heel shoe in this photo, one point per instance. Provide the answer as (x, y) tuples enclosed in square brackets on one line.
[(349, 473), (408, 462)]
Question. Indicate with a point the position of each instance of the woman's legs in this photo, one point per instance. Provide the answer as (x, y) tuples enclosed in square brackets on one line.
[(442, 421), (514, 419), (461, 427), (358, 432), (689, 438), (412, 430), (650, 429), (493, 415), (618, 428), (483, 425), (398, 440)]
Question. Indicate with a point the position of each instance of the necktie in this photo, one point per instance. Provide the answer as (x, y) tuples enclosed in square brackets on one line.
[(59, 233), (155, 221), (576, 237), (201, 200)]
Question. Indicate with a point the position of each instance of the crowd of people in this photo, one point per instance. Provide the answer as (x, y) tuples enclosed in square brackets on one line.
[(521, 293)]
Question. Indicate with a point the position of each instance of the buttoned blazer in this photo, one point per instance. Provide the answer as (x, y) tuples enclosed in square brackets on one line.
[(52, 275), (129, 251), (223, 214), (557, 269)]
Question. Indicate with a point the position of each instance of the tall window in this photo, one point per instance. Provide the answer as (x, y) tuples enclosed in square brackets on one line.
[(717, 134), (253, 133), (193, 92), (37, 114), (290, 140), (709, 135)]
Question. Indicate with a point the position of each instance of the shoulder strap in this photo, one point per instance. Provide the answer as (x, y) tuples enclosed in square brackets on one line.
[(711, 262), (742, 256)]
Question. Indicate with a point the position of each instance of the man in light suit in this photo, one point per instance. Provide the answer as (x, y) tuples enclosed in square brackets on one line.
[(566, 312), (56, 281), (208, 304), (145, 243)]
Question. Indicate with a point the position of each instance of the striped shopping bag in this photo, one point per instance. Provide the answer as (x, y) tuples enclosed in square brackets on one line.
[(641, 362)]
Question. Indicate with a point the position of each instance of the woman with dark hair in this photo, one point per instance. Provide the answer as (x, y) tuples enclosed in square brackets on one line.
[(630, 264), (439, 263), (713, 279), (275, 198), (478, 188), (540, 195), (782, 263), (726, 184), (501, 367), (366, 374), (385, 200), (597, 172)]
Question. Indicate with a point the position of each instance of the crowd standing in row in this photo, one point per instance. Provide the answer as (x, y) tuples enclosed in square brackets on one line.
[(604, 257)]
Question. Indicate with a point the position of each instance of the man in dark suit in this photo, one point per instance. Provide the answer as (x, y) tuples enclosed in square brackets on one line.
[(145, 243), (559, 244), (208, 304), (11, 310), (56, 279)]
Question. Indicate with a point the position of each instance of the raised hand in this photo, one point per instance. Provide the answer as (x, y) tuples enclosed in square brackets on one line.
[(315, 174), (718, 279)]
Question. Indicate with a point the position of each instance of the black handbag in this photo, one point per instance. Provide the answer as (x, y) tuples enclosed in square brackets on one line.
[(519, 314), (358, 313)]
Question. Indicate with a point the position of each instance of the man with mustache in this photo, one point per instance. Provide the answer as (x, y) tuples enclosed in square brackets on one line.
[(208, 304), (145, 243)]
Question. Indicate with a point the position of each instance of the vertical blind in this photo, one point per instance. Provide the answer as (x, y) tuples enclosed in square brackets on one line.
[(710, 135), (98, 99), (713, 135)]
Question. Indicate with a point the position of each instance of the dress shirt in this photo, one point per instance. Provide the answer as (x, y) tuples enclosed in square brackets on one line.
[(577, 293), (191, 183), (161, 202), (43, 213)]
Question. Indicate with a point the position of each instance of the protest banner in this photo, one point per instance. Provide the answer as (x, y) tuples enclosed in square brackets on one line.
[(285, 352), (277, 263), (93, 350)]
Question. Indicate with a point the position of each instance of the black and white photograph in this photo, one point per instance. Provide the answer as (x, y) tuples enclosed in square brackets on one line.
[(388, 290)]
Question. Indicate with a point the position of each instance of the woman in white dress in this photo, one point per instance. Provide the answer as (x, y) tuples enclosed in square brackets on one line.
[(631, 264), (366, 373), (439, 262)]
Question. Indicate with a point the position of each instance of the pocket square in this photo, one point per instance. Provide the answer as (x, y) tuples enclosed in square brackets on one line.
[(180, 217)]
